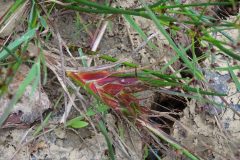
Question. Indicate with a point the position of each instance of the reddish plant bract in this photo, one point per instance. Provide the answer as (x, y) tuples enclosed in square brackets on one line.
[(113, 90)]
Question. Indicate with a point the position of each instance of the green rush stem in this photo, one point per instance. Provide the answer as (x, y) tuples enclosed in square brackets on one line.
[(112, 10), (221, 47), (152, 5), (102, 9), (156, 5), (111, 59), (172, 143)]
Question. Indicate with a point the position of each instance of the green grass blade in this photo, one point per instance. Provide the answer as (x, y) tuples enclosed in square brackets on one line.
[(192, 5), (180, 52), (221, 47), (139, 30), (14, 68), (171, 142), (156, 82), (46, 120), (235, 67), (12, 46), (44, 66), (200, 91), (156, 4), (13, 9), (109, 143), (169, 63), (234, 78), (33, 17), (111, 59), (21, 89), (81, 54), (111, 10)]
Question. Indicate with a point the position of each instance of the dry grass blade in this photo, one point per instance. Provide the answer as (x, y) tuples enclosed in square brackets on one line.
[(95, 68), (8, 26), (58, 2)]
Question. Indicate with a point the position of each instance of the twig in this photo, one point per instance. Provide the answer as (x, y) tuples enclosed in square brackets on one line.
[(29, 141), (80, 96), (99, 37), (14, 17), (63, 74), (67, 110), (95, 68), (25, 135), (58, 2), (144, 43)]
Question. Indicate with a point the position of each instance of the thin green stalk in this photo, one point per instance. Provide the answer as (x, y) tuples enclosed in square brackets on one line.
[(180, 52), (112, 10), (12, 46), (12, 10), (30, 77), (101, 9), (44, 123), (152, 5), (193, 5), (221, 47), (171, 142), (109, 143), (139, 31), (157, 5), (14, 67)]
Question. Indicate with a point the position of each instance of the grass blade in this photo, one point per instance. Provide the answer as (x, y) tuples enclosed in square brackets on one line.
[(180, 52), (12, 10), (109, 143), (139, 30), (12, 46), (21, 89), (164, 137), (235, 78)]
